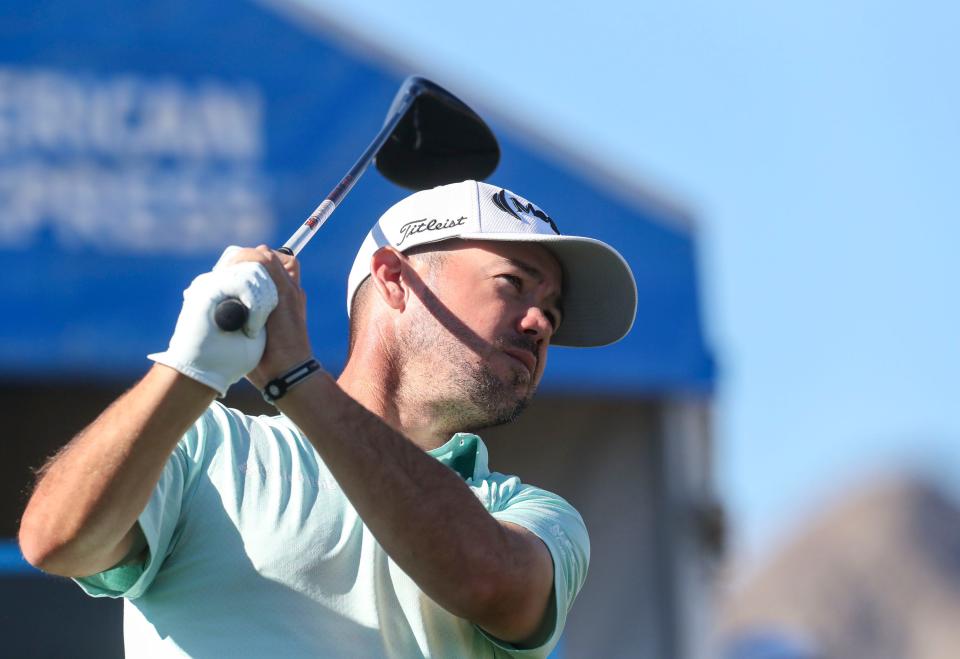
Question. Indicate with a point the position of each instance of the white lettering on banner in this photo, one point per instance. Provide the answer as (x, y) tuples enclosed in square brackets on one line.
[(130, 163)]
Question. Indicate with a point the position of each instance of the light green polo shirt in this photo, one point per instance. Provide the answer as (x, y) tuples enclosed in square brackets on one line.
[(256, 552)]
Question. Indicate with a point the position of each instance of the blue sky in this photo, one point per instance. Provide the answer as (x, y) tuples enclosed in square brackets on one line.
[(817, 143)]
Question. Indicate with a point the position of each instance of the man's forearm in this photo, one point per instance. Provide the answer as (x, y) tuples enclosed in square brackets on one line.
[(90, 496), (420, 511)]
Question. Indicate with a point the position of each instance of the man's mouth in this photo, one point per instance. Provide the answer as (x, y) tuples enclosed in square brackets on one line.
[(524, 357)]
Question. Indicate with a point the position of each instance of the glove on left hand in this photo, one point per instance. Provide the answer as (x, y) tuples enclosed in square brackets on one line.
[(201, 350)]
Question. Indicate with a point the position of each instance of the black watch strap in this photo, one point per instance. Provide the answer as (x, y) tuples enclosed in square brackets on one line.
[(278, 387)]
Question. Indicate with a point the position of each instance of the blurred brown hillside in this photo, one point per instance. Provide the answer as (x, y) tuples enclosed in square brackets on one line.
[(875, 575)]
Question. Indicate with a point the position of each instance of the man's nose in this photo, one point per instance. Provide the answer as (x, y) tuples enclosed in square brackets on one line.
[(535, 323)]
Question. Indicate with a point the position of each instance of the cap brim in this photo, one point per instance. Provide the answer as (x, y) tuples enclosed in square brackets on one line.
[(599, 291)]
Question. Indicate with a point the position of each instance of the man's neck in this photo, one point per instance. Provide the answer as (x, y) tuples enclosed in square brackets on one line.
[(377, 389)]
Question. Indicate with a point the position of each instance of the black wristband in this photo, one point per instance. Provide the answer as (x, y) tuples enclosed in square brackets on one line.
[(278, 387)]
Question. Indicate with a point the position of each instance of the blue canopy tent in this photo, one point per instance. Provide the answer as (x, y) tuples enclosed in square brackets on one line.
[(137, 140)]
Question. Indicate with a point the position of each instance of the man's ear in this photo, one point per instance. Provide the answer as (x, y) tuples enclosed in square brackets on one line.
[(386, 273)]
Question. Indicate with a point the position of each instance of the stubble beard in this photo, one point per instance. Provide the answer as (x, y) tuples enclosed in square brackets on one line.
[(496, 402), (444, 377)]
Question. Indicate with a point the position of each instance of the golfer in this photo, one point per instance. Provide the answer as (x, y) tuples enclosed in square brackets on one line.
[(363, 520)]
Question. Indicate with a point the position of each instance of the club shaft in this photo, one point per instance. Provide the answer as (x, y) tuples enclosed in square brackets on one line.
[(322, 213)]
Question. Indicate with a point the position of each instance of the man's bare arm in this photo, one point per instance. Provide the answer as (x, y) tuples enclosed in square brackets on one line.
[(81, 518), (499, 576)]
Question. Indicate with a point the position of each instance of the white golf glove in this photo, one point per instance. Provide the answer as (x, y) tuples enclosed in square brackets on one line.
[(201, 350)]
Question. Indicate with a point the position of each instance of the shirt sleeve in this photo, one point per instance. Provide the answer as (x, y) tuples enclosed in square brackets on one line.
[(562, 530), (160, 521)]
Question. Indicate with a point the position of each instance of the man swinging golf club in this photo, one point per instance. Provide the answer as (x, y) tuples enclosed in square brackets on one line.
[(363, 520)]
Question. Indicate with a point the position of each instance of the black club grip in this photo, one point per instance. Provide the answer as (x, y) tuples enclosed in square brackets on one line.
[(230, 314)]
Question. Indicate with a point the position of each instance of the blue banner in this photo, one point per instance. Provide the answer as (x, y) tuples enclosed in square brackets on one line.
[(137, 140)]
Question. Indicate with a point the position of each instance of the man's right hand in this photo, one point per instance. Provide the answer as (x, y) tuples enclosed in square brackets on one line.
[(287, 341)]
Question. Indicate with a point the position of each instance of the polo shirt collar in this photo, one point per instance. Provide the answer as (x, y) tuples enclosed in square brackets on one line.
[(466, 454)]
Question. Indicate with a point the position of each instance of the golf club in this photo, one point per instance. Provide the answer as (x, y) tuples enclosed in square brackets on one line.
[(429, 138)]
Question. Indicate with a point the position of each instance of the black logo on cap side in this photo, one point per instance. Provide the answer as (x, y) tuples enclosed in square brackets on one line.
[(416, 226), (503, 203)]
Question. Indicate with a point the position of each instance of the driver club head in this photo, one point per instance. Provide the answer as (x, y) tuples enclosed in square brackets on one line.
[(438, 140)]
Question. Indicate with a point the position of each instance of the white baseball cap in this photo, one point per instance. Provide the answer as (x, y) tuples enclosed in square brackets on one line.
[(599, 295)]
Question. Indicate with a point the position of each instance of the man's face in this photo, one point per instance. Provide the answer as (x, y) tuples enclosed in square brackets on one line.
[(484, 325)]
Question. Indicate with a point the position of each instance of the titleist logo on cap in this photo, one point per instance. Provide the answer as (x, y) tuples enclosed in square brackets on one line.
[(416, 226), (522, 211)]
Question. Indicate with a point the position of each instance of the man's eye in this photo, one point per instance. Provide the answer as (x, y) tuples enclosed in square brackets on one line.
[(515, 281)]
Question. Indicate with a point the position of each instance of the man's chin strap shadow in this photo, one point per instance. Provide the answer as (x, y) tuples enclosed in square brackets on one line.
[(457, 327), (445, 317)]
